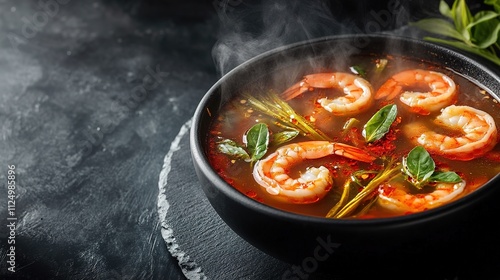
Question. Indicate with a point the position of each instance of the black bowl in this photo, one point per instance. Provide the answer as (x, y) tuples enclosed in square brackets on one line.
[(311, 242)]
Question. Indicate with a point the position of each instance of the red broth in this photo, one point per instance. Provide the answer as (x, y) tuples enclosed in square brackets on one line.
[(236, 117)]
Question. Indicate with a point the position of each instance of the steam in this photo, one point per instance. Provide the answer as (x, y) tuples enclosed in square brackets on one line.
[(251, 30), (247, 30)]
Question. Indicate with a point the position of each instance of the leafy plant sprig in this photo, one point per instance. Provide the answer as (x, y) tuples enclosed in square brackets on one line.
[(358, 70), (378, 125), (257, 141), (476, 33), (421, 169), (232, 149)]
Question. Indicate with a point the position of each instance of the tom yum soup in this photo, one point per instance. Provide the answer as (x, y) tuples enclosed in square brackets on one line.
[(381, 137)]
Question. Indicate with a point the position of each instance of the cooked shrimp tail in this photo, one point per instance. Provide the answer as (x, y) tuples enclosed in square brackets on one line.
[(358, 92), (296, 90), (477, 133), (313, 184), (442, 90), (352, 152), (396, 197)]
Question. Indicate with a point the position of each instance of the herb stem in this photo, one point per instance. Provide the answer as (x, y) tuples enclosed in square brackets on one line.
[(271, 105), (387, 174), (342, 201)]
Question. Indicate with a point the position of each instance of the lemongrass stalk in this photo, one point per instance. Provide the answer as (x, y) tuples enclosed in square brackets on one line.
[(342, 201), (387, 174), (277, 108)]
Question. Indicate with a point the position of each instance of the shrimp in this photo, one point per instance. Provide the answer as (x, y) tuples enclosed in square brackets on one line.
[(443, 90), (476, 133), (392, 196), (358, 92), (315, 182)]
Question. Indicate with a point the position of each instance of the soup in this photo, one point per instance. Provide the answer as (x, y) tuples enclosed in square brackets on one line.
[(361, 139)]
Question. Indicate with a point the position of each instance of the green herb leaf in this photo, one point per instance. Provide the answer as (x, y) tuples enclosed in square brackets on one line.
[(284, 136), (445, 177), (477, 34), (379, 124), (257, 141), (462, 17), (380, 65), (445, 10), (494, 3), (438, 26), (485, 29), (358, 70), (419, 166), (232, 149), (351, 122)]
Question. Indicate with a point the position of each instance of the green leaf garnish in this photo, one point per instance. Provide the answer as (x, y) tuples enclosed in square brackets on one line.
[(232, 149), (358, 70), (494, 3), (257, 141), (283, 136), (485, 29), (476, 34), (420, 168), (379, 124), (438, 26), (462, 17), (419, 165), (380, 65), (445, 177)]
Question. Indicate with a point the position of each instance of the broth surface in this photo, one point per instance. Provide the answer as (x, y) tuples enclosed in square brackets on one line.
[(236, 117)]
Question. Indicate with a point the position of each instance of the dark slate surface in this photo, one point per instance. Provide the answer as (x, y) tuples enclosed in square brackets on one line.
[(95, 103), (92, 93)]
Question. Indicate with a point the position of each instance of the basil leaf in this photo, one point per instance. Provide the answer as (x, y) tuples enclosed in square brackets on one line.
[(232, 149), (438, 26), (494, 3), (351, 122), (477, 34), (257, 141), (445, 10), (419, 166), (445, 177), (358, 70), (284, 136), (485, 29), (462, 17), (379, 124)]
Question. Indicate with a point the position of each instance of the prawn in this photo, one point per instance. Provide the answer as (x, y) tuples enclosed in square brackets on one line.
[(358, 92), (443, 90), (476, 133), (315, 182), (394, 197)]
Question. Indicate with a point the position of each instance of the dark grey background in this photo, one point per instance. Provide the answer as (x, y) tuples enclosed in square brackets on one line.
[(92, 95)]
